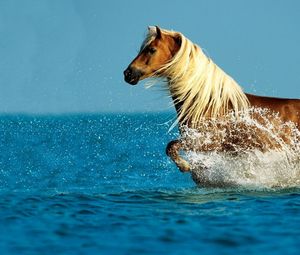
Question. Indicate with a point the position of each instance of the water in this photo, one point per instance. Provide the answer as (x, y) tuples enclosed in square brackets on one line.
[(101, 184)]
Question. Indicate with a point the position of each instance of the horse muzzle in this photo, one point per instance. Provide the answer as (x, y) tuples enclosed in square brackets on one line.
[(132, 75)]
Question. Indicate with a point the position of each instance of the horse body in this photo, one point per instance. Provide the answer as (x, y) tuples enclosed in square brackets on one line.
[(207, 99), (244, 136)]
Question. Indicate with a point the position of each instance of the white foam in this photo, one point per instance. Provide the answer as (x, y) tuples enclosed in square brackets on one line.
[(247, 168)]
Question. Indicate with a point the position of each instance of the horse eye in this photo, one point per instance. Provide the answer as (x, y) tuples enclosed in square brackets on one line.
[(151, 50)]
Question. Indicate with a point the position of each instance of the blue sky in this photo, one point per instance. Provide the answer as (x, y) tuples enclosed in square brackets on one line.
[(62, 56)]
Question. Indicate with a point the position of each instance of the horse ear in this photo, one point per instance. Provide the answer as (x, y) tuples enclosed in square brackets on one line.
[(158, 32), (152, 29), (177, 39)]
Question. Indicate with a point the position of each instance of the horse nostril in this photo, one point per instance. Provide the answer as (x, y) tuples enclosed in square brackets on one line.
[(127, 72), (132, 75)]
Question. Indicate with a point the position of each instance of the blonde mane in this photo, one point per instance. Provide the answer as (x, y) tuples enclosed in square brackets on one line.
[(198, 86)]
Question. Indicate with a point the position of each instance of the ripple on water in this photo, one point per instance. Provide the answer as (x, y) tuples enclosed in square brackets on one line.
[(78, 185)]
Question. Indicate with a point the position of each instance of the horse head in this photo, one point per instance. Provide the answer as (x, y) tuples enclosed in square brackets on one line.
[(157, 50)]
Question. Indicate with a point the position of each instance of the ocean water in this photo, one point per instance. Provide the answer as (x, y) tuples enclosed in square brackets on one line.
[(102, 184)]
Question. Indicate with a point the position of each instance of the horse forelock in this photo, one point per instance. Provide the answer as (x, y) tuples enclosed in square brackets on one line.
[(150, 36)]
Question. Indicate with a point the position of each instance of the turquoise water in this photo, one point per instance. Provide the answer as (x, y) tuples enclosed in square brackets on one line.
[(101, 184)]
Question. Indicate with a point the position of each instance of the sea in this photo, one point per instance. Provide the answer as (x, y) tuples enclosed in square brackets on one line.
[(102, 184)]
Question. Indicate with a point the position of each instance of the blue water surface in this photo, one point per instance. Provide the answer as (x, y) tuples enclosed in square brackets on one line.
[(101, 184)]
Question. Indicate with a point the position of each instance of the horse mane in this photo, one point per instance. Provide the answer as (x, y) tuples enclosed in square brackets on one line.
[(198, 86)]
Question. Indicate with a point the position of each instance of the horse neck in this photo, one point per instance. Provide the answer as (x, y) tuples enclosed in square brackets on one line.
[(224, 108), (177, 105)]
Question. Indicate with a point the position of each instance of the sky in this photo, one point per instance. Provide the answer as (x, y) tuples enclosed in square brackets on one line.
[(64, 56)]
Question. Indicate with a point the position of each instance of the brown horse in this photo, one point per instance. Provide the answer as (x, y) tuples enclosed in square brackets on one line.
[(202, 92)]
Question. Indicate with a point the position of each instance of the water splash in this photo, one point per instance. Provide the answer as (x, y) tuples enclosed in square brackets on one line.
[(262, 151)]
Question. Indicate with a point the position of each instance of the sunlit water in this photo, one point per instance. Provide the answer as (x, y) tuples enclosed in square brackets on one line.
[(101, 184)]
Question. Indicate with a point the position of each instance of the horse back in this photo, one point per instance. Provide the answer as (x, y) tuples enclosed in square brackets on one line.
[(288, 109)]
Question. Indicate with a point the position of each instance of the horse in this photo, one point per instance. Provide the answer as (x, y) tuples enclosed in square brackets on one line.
[(202, 93)]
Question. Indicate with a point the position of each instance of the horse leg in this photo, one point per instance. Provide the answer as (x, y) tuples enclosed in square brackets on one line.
[(172, 151)]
